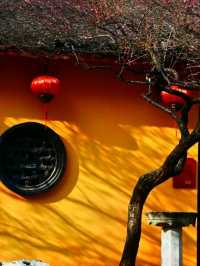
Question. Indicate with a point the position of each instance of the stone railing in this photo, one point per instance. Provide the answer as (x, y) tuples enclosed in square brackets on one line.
[(24, 263)]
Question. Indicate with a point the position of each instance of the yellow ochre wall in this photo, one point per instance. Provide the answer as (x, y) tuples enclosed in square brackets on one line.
[(112, 136)]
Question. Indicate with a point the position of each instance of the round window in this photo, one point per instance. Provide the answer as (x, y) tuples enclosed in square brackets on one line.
[(32, 158)]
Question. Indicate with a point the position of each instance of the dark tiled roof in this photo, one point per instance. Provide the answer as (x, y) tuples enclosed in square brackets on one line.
[(60, 27), (32, 27)]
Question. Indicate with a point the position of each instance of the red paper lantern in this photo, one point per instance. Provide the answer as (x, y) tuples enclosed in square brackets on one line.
[(45, 87), (169, 99), (187, 178)]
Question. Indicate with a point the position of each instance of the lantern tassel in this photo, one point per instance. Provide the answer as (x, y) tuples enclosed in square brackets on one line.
[(45, 117)]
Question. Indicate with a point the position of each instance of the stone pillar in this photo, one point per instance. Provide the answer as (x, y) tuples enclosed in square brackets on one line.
[(171, 246), (171, 234)]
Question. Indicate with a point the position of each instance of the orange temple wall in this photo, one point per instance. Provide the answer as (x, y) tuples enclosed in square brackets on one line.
[(112, 136)]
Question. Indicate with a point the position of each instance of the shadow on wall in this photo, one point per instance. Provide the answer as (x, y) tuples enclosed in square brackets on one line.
[(74, 103), (88, 226), (83, 91), (115, 137)]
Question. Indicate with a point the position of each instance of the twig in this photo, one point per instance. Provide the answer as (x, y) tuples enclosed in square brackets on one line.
[(75, 54)]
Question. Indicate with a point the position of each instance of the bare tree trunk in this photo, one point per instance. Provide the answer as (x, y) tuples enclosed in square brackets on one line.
[(172, 166), (135, 208)]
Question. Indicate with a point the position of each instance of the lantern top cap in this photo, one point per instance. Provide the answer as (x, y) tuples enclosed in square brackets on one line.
[(45, 77)]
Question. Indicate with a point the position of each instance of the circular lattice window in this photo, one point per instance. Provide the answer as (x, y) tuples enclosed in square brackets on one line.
[(32, 158)]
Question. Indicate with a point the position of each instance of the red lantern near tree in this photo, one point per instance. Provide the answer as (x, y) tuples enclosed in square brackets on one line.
[(45, 88), (171, 100)]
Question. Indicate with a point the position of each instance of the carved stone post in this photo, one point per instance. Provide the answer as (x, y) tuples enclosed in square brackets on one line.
[(171, 234)]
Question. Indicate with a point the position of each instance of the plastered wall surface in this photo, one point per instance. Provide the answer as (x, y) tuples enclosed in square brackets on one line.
[(112, 136)]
